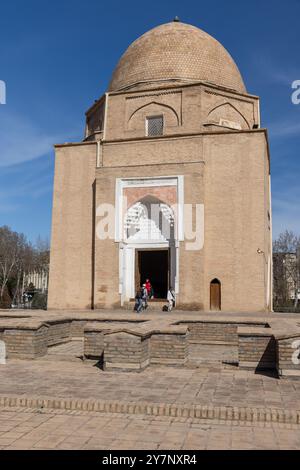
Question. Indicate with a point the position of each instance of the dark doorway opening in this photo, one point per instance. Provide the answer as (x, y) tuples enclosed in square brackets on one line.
[(153, 265), (215, 295)]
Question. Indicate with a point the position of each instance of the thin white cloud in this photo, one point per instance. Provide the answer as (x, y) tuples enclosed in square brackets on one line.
[(285, 128), (20, 192), (276, 73), (22, 140)]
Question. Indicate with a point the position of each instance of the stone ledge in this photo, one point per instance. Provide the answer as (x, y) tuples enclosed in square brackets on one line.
[(219, 321), (26, 325), (142, 330), (283, 336), (254, 332), (222, 413)]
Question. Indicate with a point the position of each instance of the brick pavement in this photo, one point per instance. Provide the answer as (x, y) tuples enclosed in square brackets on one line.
[(31, 429), (59, 377), (212, 385), (63, 376)]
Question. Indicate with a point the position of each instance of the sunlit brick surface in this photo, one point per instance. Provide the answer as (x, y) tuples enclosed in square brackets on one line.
[(56, 430)]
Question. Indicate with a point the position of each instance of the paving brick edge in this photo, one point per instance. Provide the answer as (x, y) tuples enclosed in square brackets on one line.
[(222, 413)]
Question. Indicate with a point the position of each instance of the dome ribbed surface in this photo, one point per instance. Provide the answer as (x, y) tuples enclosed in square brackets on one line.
[(176, 51)]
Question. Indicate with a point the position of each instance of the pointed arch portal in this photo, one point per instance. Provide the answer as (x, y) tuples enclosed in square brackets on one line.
[(148, 230), (151, 221)]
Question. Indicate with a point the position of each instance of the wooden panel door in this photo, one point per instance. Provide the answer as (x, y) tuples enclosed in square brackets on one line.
[(215, 295)]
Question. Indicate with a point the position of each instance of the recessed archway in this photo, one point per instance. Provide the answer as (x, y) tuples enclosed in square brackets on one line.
[(149, 219), (137, 118), (229, 112), (150, 250)]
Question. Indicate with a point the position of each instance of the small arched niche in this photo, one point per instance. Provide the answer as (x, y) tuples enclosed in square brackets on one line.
[(227, 115), (137, 120), (215, 295)]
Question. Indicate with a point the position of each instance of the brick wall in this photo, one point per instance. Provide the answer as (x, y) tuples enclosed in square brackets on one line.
[(58, 332), (209, 331), (26, 343), (77, 328), (169, 349), (93, 344), (288, 353), (257, 351), (125, 351), (71, 276), (186, 109)]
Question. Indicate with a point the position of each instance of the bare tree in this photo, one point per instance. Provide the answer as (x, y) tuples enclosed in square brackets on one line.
[(24, 263), (287, 242), (18, 257), (9, 253), (42, 254), (286, 267)]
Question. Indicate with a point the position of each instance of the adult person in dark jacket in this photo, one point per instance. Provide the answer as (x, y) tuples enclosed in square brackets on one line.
[(138, 301)]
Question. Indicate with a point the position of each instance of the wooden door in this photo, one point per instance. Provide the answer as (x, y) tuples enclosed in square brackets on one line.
[(215, 295)]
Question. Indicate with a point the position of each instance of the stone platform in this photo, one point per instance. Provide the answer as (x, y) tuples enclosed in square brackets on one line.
[(79, 366), (126, 341), (213, 392)]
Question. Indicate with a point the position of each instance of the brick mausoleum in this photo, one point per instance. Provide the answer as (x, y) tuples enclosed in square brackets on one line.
[(177, 130)]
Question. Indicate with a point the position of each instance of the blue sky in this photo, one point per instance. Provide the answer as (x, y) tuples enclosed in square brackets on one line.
[(57, 58)]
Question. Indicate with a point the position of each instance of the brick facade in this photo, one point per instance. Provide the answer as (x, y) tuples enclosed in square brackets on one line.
[(225, 169)]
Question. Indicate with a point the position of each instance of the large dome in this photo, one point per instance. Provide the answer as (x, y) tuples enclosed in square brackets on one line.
[(176, 51)]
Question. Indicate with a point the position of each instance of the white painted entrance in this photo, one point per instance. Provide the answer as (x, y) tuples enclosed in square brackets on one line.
[(2, 353), (148, 225)]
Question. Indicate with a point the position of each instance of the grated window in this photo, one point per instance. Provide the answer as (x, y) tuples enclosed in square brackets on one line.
[(155, 126)]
